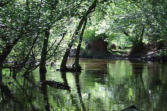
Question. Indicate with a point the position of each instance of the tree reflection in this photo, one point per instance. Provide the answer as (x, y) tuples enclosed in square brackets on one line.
[(77, 81), (54, 84), (158, 85), (96, 71), (127, 83), (78, 88), (142, 97), (74, 102), (45, 94), (154, 75), (44, 90), (19, 95)]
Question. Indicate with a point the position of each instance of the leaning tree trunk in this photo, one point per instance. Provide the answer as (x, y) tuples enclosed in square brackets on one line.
[(76, 65), (6, 51), (65, 57)]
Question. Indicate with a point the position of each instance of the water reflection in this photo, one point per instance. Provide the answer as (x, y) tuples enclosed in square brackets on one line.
[(44, 91), (101, 86), (141, 94), (96, 70), (157, 86), (154, 74), (74, 102), (77, 80)]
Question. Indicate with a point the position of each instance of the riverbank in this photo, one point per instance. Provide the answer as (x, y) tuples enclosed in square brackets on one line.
[(154, 57), (135, 58)]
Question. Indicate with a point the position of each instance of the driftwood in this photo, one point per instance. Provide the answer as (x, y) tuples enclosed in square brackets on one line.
[(57, 85)]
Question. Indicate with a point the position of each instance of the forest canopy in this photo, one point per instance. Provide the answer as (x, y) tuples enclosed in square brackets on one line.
[(34, 32)]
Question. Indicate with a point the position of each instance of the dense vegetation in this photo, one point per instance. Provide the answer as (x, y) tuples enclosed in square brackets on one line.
[(34, 33)]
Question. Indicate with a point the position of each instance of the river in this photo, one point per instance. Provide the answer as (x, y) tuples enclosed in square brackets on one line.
[(103, 85)]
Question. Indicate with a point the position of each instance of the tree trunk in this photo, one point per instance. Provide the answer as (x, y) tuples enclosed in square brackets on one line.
[(43, 56), (76, 65), (43, 70), (141, 36), (65, 57)]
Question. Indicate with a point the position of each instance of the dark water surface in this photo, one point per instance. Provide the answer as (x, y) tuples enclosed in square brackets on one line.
[(103, 85)]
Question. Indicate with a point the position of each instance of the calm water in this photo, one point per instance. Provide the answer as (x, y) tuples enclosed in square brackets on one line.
[(102, 85)]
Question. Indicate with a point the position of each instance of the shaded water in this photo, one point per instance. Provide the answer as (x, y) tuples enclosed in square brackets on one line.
[(102, 85)]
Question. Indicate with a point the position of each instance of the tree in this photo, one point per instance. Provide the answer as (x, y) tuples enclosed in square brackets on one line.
[(7, 43), (65, 57)]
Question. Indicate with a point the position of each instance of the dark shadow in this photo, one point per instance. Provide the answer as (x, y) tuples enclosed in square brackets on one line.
[(8, 98), (5, 92), (27, 92), (131, 108)]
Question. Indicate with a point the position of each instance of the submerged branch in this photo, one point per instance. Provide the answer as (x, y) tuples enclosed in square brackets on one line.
[(57, 85)]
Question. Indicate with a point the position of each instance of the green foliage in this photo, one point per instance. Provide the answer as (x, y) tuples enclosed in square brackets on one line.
[(104, 85), (161, 53), (23, 24), (89, 35)]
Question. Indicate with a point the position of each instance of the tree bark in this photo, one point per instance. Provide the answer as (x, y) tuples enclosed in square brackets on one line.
[(43, 56), (141, 36), (43, 70), (76, 65)]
